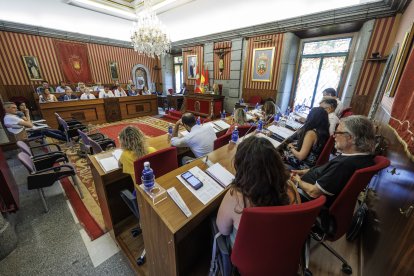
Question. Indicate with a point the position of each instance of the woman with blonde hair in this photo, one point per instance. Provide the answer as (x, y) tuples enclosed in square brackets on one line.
[(239, 119), (134, 145)]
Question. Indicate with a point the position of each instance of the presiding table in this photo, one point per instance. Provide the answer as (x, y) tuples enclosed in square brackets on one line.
[(204, 105), (100, 111)]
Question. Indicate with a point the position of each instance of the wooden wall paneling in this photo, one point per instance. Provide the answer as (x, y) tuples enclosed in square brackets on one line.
[(381, 39), (250, 86), (225, 47), (196, 50)]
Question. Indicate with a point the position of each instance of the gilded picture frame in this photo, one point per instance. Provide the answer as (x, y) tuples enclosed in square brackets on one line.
[(113, 70), (32, 66), (399, 63), (262, 64), (192, 67)]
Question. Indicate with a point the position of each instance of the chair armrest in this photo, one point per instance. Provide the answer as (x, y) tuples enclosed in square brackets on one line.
[(55, 154), (56, 168), (96, 136), (47, 145)]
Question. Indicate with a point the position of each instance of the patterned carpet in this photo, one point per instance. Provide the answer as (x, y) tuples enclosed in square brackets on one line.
[(152, 127)]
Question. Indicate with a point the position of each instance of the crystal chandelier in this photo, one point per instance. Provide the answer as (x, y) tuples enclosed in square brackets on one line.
[(149, 36)]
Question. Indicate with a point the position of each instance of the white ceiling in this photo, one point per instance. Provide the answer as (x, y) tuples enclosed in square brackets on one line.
[(192, 19)]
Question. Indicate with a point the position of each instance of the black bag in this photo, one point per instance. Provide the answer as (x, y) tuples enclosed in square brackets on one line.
[(357, 222)]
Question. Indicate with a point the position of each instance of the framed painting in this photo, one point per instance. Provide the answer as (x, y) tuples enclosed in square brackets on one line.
[(32, 67), (113, 70), (400, 62), (262, 64), (191, 67)]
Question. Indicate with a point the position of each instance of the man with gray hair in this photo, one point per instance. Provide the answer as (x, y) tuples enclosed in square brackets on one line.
[(355, 139)]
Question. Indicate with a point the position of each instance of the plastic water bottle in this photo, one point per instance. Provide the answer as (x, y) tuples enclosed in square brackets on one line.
[(198, 121), (66, 98), (223, 115), (170, 129), (260, 125), (276, 118), (246, 109), (287, 112), (235, 135), (232, 113), (147, 176), (257, 106)]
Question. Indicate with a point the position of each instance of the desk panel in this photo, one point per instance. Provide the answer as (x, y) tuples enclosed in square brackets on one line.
[(136, 106)]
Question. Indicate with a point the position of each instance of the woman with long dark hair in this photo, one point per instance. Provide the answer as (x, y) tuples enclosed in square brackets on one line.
[(261, 180), (307, 143)]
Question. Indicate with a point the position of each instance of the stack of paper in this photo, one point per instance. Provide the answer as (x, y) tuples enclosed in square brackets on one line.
[(220, 174), (108, 164), (221, 124)]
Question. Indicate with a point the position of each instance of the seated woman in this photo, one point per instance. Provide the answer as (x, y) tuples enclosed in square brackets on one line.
[(255, 184), (23, 112), (239, 119), (134, 145), (304, 147), (145, 91), (268, 110), (47, 97)]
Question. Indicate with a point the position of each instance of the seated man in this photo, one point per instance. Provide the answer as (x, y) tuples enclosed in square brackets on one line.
[(68, 95), (45, 85), (62, 87), (330, 105), (106, 93), (17, 125), (331, 93), (119, 92), (355, 138), (133, 91), (200, 139), (87, 95)]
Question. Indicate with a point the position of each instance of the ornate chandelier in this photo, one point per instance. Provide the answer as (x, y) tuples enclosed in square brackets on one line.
[(149, 35)]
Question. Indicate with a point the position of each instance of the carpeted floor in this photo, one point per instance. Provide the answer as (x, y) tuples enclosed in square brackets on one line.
[(152, 127)]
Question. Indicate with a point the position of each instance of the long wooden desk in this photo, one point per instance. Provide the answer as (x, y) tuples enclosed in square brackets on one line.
[(100, 111)]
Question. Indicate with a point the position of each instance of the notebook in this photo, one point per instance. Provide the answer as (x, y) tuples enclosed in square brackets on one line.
[(220, 174)]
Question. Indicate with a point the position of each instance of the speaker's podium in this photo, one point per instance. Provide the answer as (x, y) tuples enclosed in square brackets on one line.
[(204, 105)]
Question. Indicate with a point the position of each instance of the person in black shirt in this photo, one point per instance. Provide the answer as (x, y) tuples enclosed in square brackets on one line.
[(355, 139)]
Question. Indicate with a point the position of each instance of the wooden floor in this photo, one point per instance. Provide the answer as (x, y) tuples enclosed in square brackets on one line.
[(322, 262)]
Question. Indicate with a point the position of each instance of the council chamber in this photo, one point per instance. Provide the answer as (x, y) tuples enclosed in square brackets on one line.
[(195, 137)]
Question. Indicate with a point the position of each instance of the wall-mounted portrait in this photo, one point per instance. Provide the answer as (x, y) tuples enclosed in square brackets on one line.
[(191, 67), (32, 67), (113, 70), (262, 64)]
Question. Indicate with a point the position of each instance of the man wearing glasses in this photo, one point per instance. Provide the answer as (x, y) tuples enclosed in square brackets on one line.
[(355, 139)]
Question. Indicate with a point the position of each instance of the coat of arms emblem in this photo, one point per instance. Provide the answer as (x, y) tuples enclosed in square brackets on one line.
[(262, 64)]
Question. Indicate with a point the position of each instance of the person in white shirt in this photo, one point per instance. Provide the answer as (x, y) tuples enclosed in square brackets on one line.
[(87, 95), (200, 139), (119, 92), (329, 104), (106, 93), (330, 92), (145, 91), (62, 87)]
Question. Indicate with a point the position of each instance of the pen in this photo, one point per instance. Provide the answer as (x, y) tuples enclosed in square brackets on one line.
[(206, 159)]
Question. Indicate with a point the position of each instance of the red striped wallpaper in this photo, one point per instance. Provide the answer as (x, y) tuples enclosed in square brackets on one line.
[(196, 50), (226, 48), (274, 40), (15, 45), (380, 42)]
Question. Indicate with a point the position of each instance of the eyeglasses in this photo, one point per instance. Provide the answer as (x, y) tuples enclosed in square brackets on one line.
[(340, 132)]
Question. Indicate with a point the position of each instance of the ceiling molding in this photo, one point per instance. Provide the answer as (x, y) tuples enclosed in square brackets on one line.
[(362, 12)]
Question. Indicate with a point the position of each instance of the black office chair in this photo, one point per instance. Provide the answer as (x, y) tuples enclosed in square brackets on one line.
[(130, 200)]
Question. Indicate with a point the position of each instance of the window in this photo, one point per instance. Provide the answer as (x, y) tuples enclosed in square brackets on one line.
[(178, 72), (321, 66)]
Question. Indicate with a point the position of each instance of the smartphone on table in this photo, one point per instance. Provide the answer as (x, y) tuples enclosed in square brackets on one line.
[(192, 180)]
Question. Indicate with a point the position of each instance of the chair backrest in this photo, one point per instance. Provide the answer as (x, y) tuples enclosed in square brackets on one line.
[(342, 209), (96, 148), (347, 112), (62, 123), (84, 137), (26, 161), (243, 130), (162, 162), (269, 240), (255, 99), (222, 140), (326, 151), (24, 147)]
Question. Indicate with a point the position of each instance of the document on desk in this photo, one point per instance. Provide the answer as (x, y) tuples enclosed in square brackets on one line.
[(215, 128), (221, 124), (210, 187), (274, 142), (117, 154), (220, 174), (108, 164), (281, 131)]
